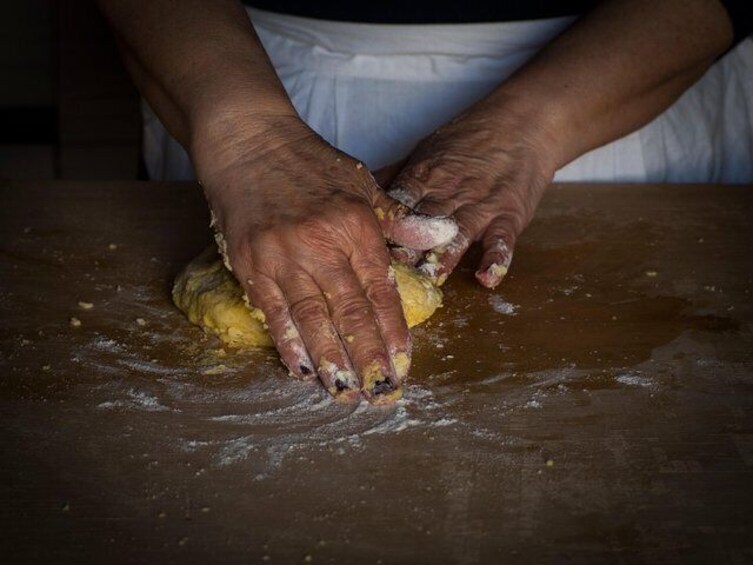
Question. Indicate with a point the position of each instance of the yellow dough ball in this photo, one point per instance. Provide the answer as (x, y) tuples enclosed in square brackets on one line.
[(210, 296)]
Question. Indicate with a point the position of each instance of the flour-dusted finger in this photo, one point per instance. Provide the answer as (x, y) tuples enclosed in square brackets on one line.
[(267, 296), (436, 207), (356, 322), (403, 226), (308, 308), (498, 242), (406, 191), (405, 255), (377, 278), (438, 263)]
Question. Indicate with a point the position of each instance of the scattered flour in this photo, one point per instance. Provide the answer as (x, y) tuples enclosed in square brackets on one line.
[(501, 306), (634, 380), (242, 409), (136, 400)]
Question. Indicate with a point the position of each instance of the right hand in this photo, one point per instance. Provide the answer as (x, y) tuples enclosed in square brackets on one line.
[(304, 227)]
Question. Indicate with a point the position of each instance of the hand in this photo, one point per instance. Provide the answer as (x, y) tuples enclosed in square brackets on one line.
[(486, 172), (302, 227)]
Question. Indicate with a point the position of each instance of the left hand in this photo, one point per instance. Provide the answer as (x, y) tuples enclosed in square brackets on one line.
[(486, 170)]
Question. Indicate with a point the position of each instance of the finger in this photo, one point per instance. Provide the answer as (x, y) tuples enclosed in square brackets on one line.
[(408, 229), (405, 255), (405, 190), (419, 179), (371, 264), (498, 243), (438, 263), (385, 175), (309, 311), (267, 296), (356, 323), (432, 207)]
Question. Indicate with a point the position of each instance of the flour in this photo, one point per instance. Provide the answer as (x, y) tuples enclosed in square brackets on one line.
[(501, 306), (136, 400), (629, 379), (429, 231), (241, 408)]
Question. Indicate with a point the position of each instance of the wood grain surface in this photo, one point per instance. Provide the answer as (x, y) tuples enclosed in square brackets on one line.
[(597, 407)]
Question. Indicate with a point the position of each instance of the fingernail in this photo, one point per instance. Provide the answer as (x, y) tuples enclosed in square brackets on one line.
[(300, 356), (378, 387), (341, 383), (402, 195), (492, 275), (401, 364)]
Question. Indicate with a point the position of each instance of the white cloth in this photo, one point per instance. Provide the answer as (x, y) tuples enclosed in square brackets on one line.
[(374, 90)]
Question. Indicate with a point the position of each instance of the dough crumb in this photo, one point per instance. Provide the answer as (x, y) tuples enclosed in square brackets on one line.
[(112, 246), (85, 305), (75, 322), (498, 270), (651, 274), (401, 363), (141, 322)]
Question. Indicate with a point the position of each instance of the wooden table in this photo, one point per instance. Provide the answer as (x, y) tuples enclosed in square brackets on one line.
[(597, 407)]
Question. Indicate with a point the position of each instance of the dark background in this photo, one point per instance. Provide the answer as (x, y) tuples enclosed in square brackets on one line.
[(67, 107)]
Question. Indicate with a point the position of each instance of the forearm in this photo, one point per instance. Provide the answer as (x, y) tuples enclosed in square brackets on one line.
[(199, 64), (612, 72)]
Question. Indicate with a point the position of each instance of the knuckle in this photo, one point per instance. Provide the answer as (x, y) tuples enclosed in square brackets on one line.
[(351, 310), (264, 240), (275, 311), (471, 221), (509, 222), (309, 308), (383, 294), (346, 219)]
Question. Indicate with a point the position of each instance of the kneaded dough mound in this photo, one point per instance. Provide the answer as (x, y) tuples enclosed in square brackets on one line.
[(211, 297)]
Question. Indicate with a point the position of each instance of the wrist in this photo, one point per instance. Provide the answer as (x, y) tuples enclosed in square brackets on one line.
[(237, 136), (536, 120)]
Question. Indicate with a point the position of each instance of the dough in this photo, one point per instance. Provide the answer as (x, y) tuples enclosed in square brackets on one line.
[(211, 297)]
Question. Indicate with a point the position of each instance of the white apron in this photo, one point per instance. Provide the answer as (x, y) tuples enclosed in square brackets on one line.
[(374, 90)]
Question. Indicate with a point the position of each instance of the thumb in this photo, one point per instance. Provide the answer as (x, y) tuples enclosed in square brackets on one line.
[(410, 229), (385, 175)]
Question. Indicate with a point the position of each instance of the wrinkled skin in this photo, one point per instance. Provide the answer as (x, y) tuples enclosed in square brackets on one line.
[(488, 174), (304, 229)]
